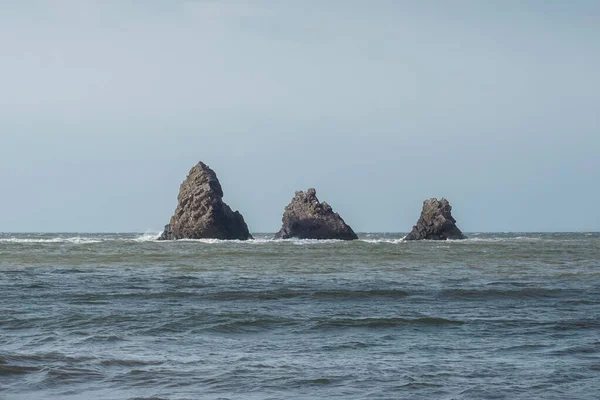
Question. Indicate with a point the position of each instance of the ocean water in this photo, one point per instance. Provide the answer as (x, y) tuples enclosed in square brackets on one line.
[(122, 316)]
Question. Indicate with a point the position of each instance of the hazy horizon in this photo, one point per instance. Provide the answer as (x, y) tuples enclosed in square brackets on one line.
[(105, 106)]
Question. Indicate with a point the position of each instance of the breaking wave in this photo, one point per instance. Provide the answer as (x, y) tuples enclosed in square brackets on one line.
[(267, 238), (72, 240), (147, 237)]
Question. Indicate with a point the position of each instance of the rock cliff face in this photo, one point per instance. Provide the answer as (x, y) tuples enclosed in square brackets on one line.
[(201, 212), (307, 218), (436, 222)]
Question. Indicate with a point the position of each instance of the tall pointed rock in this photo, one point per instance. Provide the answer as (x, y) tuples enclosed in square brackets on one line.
[(201, 212), (307, 218), (436, 222)]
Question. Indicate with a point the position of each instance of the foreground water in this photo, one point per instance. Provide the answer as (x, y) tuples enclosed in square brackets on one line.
[(117, 316)]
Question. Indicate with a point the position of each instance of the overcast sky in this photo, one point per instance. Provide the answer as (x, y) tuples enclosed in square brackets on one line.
[(106, 105)]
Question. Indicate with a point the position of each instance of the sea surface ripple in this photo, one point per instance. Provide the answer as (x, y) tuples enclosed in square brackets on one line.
[(123, 316)]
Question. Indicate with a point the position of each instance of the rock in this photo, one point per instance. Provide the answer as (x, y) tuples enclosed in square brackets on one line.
[(307, 218), (201, 212), (436, 222)]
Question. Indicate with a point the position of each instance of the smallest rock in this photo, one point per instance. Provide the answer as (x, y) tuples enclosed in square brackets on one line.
[(436, 222)]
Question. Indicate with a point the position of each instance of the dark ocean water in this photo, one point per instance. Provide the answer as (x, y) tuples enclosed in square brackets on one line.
[(120, 316)]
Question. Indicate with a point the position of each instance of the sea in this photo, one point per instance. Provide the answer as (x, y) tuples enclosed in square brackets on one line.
[(124, 316)]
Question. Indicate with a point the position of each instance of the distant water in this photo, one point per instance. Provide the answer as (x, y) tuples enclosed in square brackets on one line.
[(121, 316)]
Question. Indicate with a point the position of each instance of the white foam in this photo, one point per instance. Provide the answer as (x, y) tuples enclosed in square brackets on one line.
[(147, 237), (293, 241), (261, 240), (74, 240), (83, 240), (391, 241), (221, 241), (205, 241), (497, 239)]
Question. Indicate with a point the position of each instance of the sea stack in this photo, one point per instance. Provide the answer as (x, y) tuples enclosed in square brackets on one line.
[(201, 212), (436, 222), (307, 218)]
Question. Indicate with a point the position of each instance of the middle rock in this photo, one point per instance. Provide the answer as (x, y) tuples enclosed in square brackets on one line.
[(307, 218)]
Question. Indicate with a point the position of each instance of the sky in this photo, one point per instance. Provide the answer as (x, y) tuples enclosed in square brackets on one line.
[(106, 105)]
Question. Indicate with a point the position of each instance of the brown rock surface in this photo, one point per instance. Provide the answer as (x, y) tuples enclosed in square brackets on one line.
[(436, 222), (307, 218), (201, 212)]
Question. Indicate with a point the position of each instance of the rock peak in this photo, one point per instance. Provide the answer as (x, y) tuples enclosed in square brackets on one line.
[(201, 212), (436, 222), (307, 218)]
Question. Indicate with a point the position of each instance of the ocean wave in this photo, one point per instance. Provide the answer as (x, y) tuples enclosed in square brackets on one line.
[(577, 324), (72, 240), (147, 237), (292, 241), (377, 241), (254, 324), (153, 237), (119, 362), (508, 239), (45, 358), (17, 369), (267, 239), (254, 295), (261, 241), (359, 294), (70, 375), (206, 241), (333, 323), (282, 294), (483, 294), (588, 349)]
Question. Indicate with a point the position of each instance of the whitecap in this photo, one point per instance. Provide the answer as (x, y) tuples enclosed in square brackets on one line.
[(391, 241), (147, 237), (73, 240)]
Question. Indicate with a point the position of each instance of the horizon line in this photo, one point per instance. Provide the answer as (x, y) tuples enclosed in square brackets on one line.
[(273, 232)]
